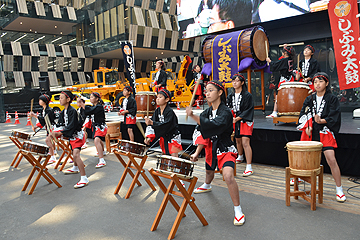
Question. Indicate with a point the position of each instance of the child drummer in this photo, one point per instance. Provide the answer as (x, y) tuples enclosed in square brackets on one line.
[(97, 113), (70, 126), (320, 118), (128, 109), (164, 125), (242, 106), (308, 66), (285, 66), (40, 123), (215, 126)]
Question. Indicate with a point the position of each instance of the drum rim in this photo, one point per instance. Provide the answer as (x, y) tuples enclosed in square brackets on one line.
[(311, 145), (128, 141), (145, 93), (180, 159)]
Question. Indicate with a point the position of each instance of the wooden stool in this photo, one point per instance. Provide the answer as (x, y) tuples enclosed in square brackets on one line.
[(128, 166), (186, 194), (18, 138), (113, 133), (65, 146), (37, 166), (308, 176)]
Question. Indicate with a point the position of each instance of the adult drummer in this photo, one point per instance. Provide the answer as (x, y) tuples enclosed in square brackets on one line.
[(160, 77), (129, 109)]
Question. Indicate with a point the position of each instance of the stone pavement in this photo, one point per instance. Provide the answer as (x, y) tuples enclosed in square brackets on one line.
[(94, 212)]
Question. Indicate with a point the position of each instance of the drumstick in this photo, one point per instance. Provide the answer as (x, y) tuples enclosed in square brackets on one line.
[(48, 128), (266, 50), (31, 109), (138, 124), (193, 96)]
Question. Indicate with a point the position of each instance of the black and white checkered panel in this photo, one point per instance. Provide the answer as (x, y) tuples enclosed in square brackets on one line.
[(21, 70)]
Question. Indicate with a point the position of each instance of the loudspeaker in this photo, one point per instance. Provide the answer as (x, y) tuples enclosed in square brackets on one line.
[(44, 84)]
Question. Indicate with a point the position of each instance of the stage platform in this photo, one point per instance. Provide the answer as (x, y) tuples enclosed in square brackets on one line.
[(269, 140)]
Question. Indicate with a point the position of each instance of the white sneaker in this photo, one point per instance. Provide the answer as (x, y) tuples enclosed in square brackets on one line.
[(84, 146), (272, 115), (239, 159)]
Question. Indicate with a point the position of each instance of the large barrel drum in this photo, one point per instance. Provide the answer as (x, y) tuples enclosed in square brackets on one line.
[(251, 44), (291, 96), (145, 101)]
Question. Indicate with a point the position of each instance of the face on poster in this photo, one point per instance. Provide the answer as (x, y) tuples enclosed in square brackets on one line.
[(198, 17)]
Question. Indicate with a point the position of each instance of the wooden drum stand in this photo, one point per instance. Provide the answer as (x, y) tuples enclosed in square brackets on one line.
[(64, 144), (128, 166), (186, 194)]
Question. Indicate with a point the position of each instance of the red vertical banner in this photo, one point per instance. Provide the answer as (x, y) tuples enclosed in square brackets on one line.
[(345, 33)]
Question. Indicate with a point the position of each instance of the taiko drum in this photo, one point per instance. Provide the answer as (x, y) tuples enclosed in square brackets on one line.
[(291, 96), (145, 101), (304, 155)]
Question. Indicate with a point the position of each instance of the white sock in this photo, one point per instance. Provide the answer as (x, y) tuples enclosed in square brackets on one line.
[(75, 168), (339, 191), (104, 153), (55, 152), (84, 179), (53, 157), (241, 157), (248, 167), (238, 211), (206, 186), (101, 160)]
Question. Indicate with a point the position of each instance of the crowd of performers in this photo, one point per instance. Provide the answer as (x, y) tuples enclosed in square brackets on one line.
[(319, 120)]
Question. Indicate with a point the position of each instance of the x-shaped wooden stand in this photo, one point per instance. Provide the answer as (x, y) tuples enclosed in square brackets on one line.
[(186, 194), (65, 146), (19, 144), (128, 166), (41, 168)]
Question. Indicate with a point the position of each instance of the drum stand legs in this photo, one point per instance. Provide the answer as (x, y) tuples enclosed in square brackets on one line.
[(128, 166), (309, 176), (41, 168), (17, 142), (186, 194), (65, 146)]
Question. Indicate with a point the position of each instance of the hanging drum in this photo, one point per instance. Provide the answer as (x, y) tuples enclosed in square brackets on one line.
[(251, 44)]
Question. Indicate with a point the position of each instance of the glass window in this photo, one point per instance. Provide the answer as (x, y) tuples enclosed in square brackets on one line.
[(111, 77), (152, 4), (100, 77), (35, 63)]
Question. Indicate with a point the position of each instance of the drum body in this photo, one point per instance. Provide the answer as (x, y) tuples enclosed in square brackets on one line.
[(113, 129), (132, 147), (143, 99), (304, 155), (251, 44), (35, 148), (21, 135), (175, 165), (291, 96)]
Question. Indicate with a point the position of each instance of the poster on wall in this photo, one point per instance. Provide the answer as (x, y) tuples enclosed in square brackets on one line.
[(199, 17)]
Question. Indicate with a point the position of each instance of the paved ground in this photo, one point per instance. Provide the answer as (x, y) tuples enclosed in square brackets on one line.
[(94, 212)]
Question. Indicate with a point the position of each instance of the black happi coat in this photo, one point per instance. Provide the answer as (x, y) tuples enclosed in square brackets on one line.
[(329, 110), (314, 67), (167, 127), (284, 66), (218, 129), (72, 122), (162, 78), (98, 114), (131, 106), (47, 111), (246, 103)]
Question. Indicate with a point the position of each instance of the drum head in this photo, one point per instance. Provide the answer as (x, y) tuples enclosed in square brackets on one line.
[(258, 42), (304, 145), (145, 93), (176, 159), (135, 143)]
